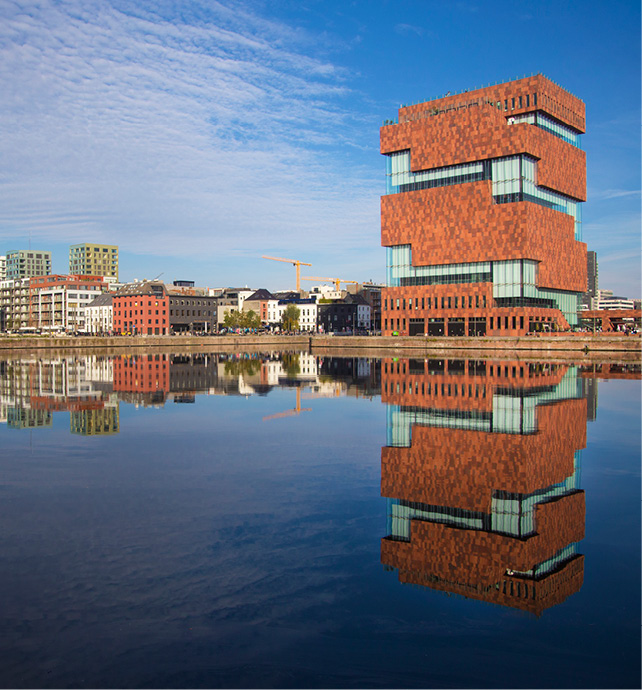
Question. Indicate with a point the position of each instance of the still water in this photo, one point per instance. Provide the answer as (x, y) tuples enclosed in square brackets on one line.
[(287, 520)]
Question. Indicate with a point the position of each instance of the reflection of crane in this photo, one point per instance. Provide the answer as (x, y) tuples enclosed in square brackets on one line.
[(337, 281), (294, 262), (289, 413)]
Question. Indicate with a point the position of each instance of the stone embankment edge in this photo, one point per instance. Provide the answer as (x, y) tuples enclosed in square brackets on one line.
[(604, 344)]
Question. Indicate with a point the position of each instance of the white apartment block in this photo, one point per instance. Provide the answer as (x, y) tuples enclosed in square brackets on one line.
[(308, 313)]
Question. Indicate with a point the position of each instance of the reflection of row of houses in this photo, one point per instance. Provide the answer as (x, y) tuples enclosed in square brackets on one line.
[(90, 388), (482, 474)]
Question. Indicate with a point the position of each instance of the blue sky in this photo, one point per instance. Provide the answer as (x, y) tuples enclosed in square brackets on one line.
[(198, 136)]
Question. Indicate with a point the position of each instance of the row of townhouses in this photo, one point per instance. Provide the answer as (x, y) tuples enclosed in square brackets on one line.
[(96, 304)]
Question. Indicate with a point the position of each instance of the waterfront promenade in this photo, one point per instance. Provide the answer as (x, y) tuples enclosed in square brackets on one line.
[(585, 345)]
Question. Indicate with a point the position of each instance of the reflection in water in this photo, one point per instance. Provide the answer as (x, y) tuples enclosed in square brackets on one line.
[(91, 387), (482, 475), (198, 546)]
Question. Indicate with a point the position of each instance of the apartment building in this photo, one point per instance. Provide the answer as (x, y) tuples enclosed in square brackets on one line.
[(94, 259), (59, 302), (25, 263)]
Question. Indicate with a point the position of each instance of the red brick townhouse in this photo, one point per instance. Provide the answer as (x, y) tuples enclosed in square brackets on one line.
[(141, 309)]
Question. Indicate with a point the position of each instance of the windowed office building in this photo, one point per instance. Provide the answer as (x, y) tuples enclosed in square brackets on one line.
[(482, 212)]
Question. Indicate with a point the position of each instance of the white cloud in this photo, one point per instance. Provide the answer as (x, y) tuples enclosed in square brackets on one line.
[(203, 134)]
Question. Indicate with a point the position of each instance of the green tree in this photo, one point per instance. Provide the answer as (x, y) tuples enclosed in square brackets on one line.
[(231, 319), (251, 319), (291, 364), (290, 320)]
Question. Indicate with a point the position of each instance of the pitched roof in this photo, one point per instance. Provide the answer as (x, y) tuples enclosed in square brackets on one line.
[(104, 300), (260, 294)]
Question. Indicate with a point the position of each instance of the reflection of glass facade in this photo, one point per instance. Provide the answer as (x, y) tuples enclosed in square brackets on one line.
[(481, 472)]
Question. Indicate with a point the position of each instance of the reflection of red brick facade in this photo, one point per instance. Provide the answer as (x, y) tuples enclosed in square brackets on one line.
[(460, 468), (462, 223), (141, 373)]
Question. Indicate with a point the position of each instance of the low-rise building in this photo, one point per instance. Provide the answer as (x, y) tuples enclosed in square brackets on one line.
[(99, 315), (191, 309), (141, 309)]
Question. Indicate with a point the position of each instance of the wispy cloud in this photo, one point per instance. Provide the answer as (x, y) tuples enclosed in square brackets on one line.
[(203, 132), (406, 29), (602, 194)]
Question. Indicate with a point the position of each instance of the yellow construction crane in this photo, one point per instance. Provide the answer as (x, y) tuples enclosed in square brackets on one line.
[(289, 413), (337, 281), (294, 262)]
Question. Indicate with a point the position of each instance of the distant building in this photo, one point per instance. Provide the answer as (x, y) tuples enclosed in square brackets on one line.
[(592, 283), (99, 315), (26, 263), (191, 309), (94, 260), (58, 302), (3, 268), (260, 302), (14, 302), (141, 309), (308, 312)]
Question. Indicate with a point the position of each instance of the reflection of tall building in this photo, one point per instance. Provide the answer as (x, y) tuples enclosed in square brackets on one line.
[(100, 422), (481, 469), (28, 418)]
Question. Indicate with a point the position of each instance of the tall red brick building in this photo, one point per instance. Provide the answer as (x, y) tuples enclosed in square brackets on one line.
[(482, 213)]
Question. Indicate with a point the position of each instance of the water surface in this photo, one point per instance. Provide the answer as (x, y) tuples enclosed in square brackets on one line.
[(284, 520)]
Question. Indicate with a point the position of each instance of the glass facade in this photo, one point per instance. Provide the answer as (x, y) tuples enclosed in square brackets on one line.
[(544, 122), (514, 178), (514, 282)]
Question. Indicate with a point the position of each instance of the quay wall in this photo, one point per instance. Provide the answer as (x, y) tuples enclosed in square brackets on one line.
[(586, 346)]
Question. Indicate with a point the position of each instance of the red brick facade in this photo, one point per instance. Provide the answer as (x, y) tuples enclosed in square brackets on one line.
[(462, 223), (141, 314)]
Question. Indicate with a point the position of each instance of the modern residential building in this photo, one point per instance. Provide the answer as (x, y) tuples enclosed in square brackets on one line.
[(58, 302), (3, 268), (481, 218), (26, 263), (94, 259), (14, 304), (141, 309)]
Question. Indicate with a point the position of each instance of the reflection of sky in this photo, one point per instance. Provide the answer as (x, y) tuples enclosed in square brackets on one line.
[(203, 546)]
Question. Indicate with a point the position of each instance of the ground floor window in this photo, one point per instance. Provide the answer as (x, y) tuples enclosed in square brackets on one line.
[(416, 327), (456, 327), (435, 326), (477, 326)]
